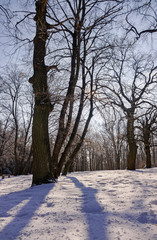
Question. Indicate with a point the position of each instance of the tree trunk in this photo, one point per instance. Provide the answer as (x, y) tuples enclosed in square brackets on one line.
[(76, 124), (147, 139), (117, 161), (27, 165), (63, 129), (16, 157), (40, 143), (153, 151), (79, 144), (42, 108), (148, 156), (131, 161)]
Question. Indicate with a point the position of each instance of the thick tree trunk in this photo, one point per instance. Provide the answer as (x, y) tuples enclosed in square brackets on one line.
[(117, 161), (40, 143), (146, 139), (148, 156), (42, 108), (131, 161), (153, 151)]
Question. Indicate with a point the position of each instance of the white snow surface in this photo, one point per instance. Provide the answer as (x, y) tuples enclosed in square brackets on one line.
[(102, 205)]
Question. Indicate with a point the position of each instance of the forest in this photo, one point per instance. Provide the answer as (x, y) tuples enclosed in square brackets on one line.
[(78, 83)]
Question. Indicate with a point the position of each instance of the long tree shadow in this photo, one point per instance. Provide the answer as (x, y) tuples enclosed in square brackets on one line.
[(96, 217), (20, 207)]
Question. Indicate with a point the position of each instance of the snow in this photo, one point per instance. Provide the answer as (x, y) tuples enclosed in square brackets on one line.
[(102, 205)]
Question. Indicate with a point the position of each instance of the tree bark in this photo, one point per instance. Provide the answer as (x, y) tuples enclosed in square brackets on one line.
[(43, 107), (117, 161), (79, 144), (63, 129), (16, 161), (131, 161), (146, 138), (148, 156), (77, 120)]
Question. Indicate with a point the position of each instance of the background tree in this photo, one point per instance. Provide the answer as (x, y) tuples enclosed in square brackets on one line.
[(129, 91), (113, 128), (16, 112), (146, 14), (148, 127)]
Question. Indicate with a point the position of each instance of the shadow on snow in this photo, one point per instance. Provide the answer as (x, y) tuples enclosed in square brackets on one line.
[(31, 199), (95, 216)]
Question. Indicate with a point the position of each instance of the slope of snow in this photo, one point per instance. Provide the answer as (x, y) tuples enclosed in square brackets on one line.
[(102, 205)]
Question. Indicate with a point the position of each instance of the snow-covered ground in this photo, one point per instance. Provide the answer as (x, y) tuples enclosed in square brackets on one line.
[(103, 205)]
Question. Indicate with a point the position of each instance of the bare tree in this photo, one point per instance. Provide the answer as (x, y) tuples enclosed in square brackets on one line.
[(113, 129), (16, 109), (146, 12), (83, 35), (43, 106), (128, 84), (148, 127)]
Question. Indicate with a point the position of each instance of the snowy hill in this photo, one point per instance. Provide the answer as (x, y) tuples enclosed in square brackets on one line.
[(102, 205)]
